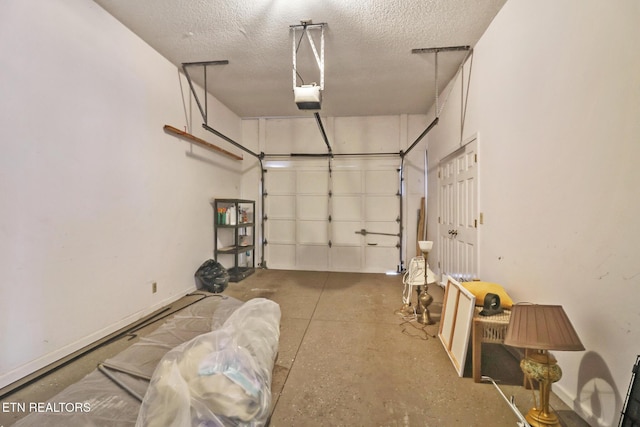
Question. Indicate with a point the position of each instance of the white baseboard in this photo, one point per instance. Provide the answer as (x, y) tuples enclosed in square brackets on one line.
[(29, 368)]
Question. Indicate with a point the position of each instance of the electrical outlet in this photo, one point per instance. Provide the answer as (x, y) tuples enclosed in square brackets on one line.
[(154, 287)]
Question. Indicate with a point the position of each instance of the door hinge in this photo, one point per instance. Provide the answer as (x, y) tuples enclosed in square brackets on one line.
[(475, 223), (475, 158)]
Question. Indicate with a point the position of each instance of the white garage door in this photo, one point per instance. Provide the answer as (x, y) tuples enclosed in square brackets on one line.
[(317, 210)]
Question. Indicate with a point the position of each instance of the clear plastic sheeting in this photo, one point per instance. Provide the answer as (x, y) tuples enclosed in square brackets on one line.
[(98, 401), (222, 378)]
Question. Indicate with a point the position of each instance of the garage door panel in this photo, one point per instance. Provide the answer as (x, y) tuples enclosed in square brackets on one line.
[(381, 208), (313, 257), (347, 182), (380, 239), (283, 207), (379, 258), (382, 227), (347, 208), (312, 207), (386, 241), (281, 230), (344, 233), (281, 181), (312, 232), (381, 182), (280, 256), (313, 182), (346, 258)]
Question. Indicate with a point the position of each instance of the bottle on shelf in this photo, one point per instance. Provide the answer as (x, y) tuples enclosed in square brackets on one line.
[(232, 215)]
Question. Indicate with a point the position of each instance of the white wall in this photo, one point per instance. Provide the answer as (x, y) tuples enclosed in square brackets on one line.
[(97, 200), (555, 99)]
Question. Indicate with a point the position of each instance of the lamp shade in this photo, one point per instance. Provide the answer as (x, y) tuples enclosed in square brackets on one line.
[(541, 327)]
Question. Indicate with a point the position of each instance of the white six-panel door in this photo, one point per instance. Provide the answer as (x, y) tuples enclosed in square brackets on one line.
[(458, 216)]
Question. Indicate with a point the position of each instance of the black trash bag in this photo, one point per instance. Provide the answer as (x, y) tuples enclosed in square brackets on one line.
[(212, 276)]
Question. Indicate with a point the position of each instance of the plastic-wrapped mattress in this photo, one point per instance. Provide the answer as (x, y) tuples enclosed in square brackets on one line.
[(213, 361)]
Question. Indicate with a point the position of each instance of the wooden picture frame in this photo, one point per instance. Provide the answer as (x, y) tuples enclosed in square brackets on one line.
[(455, 324)]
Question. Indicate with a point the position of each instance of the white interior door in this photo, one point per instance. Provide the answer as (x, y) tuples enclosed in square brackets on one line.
[(458, 218)]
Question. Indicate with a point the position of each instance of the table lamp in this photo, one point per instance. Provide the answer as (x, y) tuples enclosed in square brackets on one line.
[(540, 328)]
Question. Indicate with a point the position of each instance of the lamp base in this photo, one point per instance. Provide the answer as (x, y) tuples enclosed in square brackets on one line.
[(542, 367), (425, 318), (424, 300), (538, 418)]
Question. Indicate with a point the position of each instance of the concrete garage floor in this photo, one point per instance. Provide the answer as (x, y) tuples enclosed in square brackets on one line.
[(345, 359)]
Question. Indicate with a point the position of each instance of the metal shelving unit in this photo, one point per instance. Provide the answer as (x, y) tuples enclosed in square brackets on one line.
[(234, 228)]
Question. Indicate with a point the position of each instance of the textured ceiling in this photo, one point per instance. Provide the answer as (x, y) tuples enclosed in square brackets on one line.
[(369, 67)]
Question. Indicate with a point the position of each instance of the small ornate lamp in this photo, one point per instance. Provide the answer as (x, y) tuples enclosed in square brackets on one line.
[(540, 328)]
